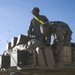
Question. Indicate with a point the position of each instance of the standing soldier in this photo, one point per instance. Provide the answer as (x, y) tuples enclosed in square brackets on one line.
[(34, 27)]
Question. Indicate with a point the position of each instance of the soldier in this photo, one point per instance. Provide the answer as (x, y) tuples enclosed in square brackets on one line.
[(34, 27), (61, 32)]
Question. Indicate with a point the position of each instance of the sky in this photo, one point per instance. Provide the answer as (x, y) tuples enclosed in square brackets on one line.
[(15, 16)]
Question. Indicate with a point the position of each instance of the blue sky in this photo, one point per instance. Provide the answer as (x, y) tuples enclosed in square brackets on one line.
[(15, 16)]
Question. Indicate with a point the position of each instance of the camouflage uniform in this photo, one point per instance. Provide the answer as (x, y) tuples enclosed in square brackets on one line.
[(62, 31), (63, 34), (34, 27), (46, 30)]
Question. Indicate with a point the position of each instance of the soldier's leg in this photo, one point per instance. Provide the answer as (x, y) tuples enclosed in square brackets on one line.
[(67, 38), (40, 37), (48, 39), (59, 34)]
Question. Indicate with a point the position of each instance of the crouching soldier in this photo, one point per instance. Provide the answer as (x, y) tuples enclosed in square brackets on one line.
[(61, 32)]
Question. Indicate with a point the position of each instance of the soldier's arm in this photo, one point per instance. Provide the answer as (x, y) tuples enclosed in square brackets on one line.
[(45, 19), (30, 28)]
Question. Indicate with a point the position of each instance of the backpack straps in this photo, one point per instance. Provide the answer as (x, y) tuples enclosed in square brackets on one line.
[(40, 21)]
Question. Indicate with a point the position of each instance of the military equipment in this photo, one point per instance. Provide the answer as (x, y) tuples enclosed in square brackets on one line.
[(26, 56)]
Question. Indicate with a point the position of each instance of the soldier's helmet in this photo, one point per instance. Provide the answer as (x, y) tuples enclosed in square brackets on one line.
[(35, 9)]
